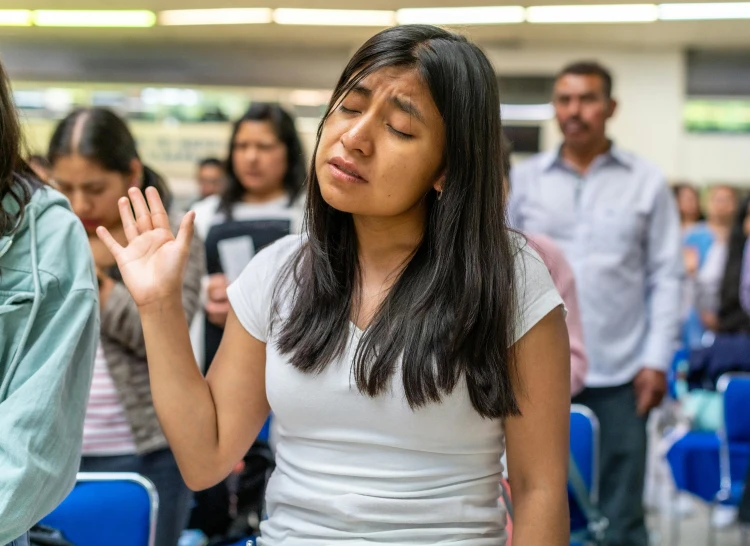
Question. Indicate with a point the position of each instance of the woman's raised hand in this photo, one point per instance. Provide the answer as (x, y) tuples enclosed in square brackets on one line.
[(153, 262)]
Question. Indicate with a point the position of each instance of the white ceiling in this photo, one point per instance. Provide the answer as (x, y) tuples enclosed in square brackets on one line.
[(731, 34)]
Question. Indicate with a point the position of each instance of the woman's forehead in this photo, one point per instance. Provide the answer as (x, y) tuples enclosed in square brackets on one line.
[(397, 82)]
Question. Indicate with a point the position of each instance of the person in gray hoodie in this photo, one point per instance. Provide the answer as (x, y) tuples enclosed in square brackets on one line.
[(49, 325)]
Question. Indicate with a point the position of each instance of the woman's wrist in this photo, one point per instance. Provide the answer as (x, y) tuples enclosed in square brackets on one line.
[(166, 305)]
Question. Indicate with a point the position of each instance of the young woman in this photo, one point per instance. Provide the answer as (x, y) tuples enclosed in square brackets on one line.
[(94, 163), (49, 324), (266, 172), (400, 344)]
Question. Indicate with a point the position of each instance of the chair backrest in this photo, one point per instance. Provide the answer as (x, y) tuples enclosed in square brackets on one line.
[(116, 509), (736, 390), (584, 449)]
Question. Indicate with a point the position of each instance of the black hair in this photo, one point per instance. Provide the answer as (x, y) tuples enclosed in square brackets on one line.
[(451, 313), (211, 162), (101, 136), (589, 68), (732, 317), (17, 180), (283, 125), (40, 159)]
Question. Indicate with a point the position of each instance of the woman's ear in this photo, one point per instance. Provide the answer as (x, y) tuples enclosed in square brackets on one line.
[(438, 185), (136, 174)]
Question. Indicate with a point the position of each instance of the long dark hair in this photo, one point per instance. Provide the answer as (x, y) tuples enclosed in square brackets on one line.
[(13, 169), (101, 136), (451, 313), (286, 132), (732, 317)]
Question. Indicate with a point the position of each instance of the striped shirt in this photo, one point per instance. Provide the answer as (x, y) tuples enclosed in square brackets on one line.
[(106, 430)]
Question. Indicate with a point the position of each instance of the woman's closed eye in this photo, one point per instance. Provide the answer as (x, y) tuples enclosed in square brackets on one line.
[(400, 134), (346, 110)]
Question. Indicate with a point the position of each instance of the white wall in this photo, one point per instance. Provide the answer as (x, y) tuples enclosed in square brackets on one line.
[(707, 158)]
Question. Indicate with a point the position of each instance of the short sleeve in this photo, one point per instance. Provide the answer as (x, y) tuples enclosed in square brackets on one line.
[(536, 292), (251, 295)]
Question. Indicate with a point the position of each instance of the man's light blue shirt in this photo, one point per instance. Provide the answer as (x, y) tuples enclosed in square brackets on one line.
[(619, 228)]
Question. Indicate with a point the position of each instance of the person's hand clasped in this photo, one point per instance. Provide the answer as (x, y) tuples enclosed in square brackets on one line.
[(153, 262), (650, 388)]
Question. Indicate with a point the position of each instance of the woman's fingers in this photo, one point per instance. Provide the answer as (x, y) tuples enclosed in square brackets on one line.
[(159, 217), (142, 214), (128, 222), (109, 241), (185, 235)]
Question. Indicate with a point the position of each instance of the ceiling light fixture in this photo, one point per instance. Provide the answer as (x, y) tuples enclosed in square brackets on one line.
[(15, 18), (95, 18), (228, 16), (334, 17), (611, 13), (483, 15), (719, 10)]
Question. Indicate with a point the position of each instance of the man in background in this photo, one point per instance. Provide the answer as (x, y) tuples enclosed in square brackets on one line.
[(615, 219)]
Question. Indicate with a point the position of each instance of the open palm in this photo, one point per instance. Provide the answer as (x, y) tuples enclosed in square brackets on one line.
[(153, 263)]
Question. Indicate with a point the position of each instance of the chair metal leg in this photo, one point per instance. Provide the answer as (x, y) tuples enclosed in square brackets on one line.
[(711, 528), (674, 520)]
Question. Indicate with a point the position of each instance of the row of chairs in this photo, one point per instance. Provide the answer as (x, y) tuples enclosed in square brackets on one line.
[(714, 466)]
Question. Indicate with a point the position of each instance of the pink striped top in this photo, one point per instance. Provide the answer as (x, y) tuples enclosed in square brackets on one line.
[(105, 428)]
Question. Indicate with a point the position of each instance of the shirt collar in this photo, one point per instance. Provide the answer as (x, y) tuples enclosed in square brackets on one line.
[(615, 153)]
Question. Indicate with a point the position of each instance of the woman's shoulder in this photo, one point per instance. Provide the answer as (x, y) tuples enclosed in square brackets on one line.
[(278, 253), (529, 265), (535, 291), (62, 243)]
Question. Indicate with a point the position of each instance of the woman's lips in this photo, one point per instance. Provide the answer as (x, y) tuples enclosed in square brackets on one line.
[(343, 174)]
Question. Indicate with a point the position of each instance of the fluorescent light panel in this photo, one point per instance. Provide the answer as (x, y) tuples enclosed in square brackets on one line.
[(228, 16), (334, 17), (15, 18), (719, 10), (94, 18), (611, 13), (483, 15)]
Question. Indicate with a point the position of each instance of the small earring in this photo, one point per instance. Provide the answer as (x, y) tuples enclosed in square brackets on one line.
[(440, 195)]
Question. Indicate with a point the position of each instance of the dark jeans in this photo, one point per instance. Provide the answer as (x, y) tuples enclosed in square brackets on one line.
[(623, 462), (21, 541), (161, 468)]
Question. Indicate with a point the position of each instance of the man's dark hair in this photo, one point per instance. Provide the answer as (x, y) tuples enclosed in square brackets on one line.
[(589, 68), (211, 162)]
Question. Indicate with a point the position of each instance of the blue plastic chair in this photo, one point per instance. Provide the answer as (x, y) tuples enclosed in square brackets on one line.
[(116, 509), (584, 450), (734, 441)]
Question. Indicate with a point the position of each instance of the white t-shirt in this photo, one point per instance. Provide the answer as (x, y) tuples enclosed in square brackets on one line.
[(352, 469)]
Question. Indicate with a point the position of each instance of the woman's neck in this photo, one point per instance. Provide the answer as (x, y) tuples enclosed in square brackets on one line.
[(386, 244), (260, 198)]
